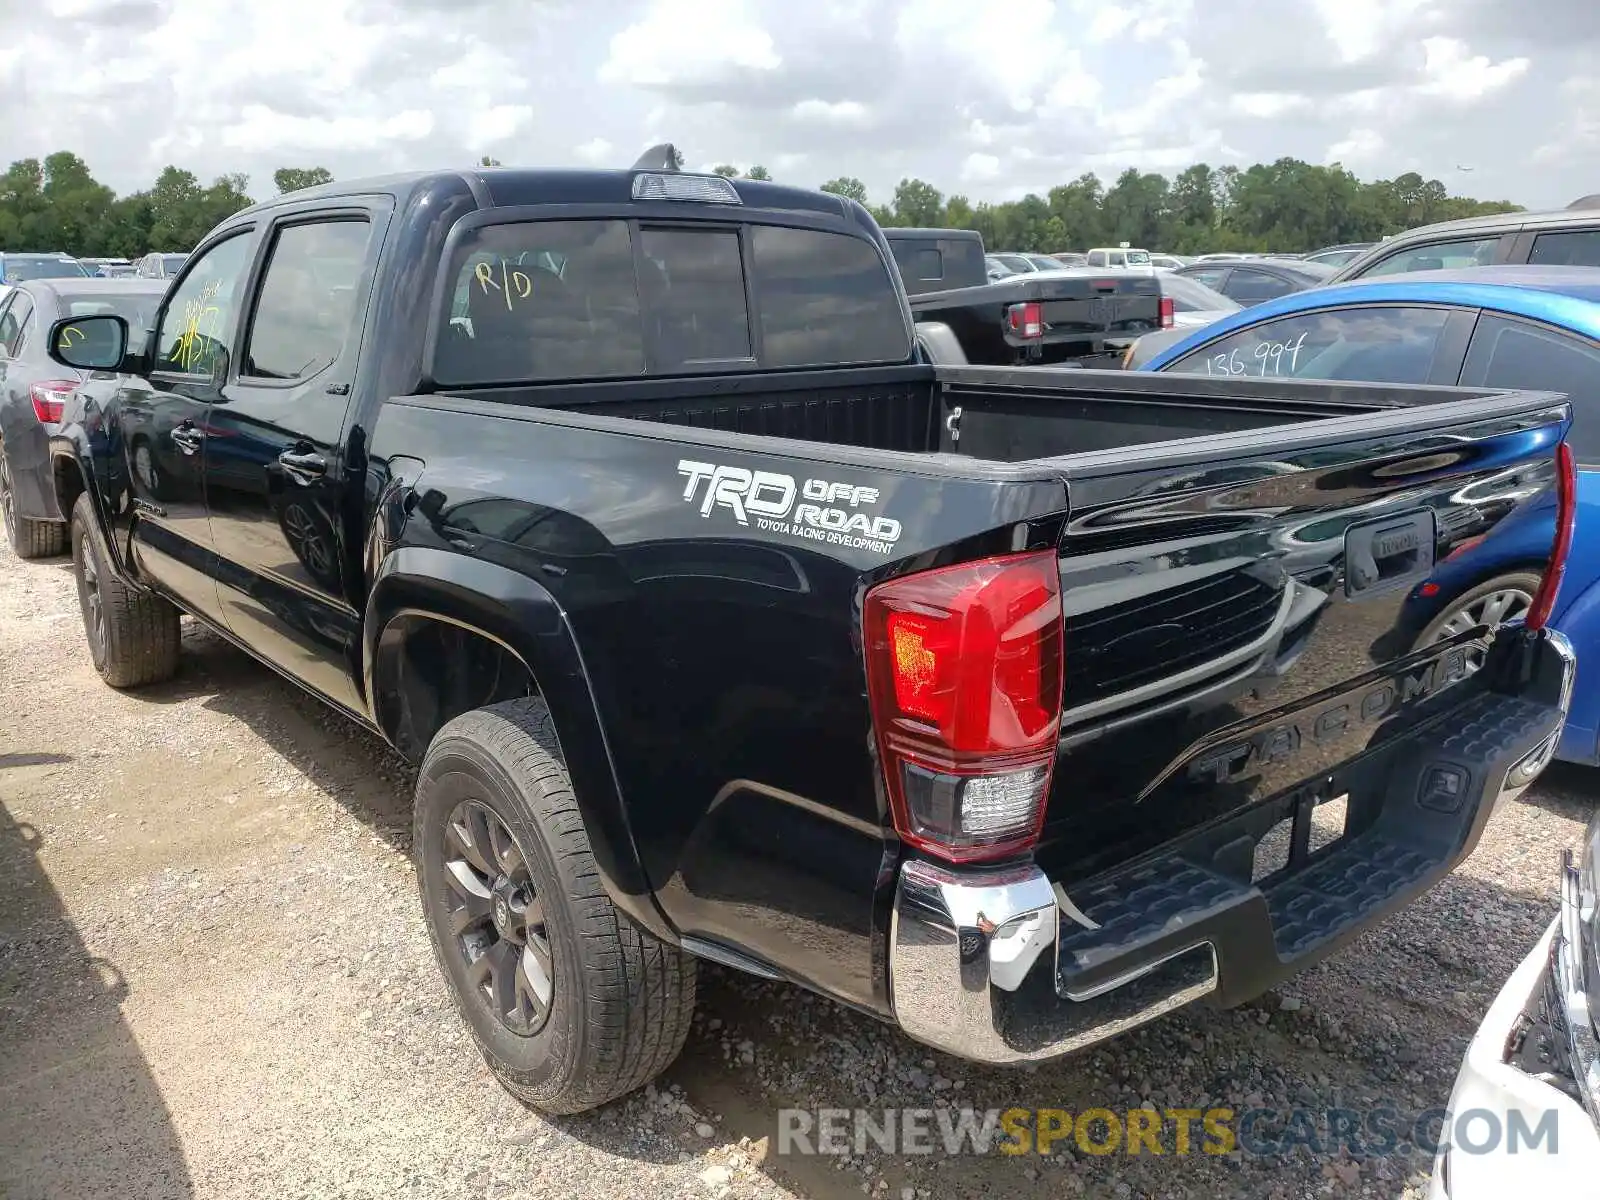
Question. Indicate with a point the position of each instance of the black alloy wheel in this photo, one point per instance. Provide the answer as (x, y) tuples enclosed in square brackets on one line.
[(497, 919)]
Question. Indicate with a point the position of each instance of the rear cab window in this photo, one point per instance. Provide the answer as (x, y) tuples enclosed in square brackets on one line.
[(1438, 256), (535, 301)]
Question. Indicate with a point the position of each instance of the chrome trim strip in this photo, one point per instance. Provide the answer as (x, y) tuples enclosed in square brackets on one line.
[(950, 936)]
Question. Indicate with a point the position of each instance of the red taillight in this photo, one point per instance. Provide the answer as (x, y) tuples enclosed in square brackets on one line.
[(50, 397), (1025, 320), (1544, 601), (1166, 312), (964, 671)]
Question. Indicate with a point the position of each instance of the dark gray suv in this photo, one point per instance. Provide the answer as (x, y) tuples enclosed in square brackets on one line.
[(1565, 238)]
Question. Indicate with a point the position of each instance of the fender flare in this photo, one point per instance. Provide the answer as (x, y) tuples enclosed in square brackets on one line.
[(70, 446), (525, 619)]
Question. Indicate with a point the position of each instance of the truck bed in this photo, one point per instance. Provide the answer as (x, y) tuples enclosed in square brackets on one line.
[(1000, 414)]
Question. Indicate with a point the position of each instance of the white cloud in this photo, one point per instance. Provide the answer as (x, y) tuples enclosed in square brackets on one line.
[(835, 112), (1269, 106), (1454, 72), (1358, 149), (687, 41), (994, 99), (596, 151), (980, 168), (260, 129)]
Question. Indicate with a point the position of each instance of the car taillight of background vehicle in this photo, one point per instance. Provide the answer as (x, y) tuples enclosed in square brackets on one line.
[(1544, 599), (964, 672), (1025, 320), (1167, 311), (50, 397)]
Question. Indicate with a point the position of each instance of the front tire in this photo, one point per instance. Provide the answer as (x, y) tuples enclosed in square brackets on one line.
[(570, 1003), (133, 635)]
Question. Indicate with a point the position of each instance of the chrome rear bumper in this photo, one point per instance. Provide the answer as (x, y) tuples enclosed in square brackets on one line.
[(962, 951), (964, 944)]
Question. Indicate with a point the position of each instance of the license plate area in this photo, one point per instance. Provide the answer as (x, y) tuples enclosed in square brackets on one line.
[(1317, 821)]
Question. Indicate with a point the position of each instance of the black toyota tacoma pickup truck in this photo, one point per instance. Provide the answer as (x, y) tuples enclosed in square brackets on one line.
[(724, 625), (1077, 316)]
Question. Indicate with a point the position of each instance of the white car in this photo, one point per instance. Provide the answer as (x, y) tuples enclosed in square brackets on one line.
[(1527, 1098)]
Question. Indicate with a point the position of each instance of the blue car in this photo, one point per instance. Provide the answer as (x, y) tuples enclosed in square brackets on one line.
[(1488, 327)]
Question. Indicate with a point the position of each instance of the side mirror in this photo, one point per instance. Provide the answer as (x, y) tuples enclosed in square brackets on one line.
[(97, 343)]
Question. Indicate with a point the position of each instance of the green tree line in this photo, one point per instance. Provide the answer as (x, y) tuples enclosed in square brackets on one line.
[(58, 205), (1287, 205)]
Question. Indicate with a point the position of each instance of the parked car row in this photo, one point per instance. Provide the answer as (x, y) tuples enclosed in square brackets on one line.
[(17, 266)]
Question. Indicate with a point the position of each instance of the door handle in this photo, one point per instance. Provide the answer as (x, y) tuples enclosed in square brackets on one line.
[(187, 438), (303, 466)]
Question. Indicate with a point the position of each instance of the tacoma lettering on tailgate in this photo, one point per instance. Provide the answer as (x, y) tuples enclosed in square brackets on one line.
[(1283, 740)]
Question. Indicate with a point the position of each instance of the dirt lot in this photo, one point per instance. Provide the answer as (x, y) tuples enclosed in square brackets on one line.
[(214, 982)]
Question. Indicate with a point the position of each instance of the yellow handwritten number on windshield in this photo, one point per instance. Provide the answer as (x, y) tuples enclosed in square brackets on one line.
[(71, 335)]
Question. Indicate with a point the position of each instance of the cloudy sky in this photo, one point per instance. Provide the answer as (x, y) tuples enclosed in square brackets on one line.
[(988, 98)]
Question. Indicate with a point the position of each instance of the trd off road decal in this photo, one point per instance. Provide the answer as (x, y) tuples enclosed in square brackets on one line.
[(816, 509)]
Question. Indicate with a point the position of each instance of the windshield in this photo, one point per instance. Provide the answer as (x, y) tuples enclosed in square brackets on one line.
[(1190, 295), (1044, 262), (1138, 258), (18, 267)]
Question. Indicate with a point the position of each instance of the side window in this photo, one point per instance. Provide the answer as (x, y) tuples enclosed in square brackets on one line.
[(1517, 354), (1212, 277), (1116, 260), (200, 314), (1252, 287), (1438, 256), (1579, 248), (14, 324), (307, 299), (691, 288), (930, 264), (1373, 344), (1097, 258)]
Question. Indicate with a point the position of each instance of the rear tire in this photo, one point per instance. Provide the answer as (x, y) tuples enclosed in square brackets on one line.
[(133, 635), (28, 538), (618, 1001)]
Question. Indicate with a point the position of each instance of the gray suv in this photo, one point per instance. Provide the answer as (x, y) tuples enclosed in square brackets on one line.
[(160, 266), (1566, 238)]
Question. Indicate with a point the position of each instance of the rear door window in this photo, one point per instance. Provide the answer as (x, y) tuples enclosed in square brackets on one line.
[(594, 299), (1378, 343), (1506, 353), (1215, 278), (1248, 286), (14, 325), (1575, 248), (1438, 256)]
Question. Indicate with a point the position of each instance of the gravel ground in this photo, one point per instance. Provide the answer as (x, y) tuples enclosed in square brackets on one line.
[(214, 982)]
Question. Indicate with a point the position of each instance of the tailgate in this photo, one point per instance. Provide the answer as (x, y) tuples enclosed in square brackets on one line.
[(1245, 613), (1116, 304)]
